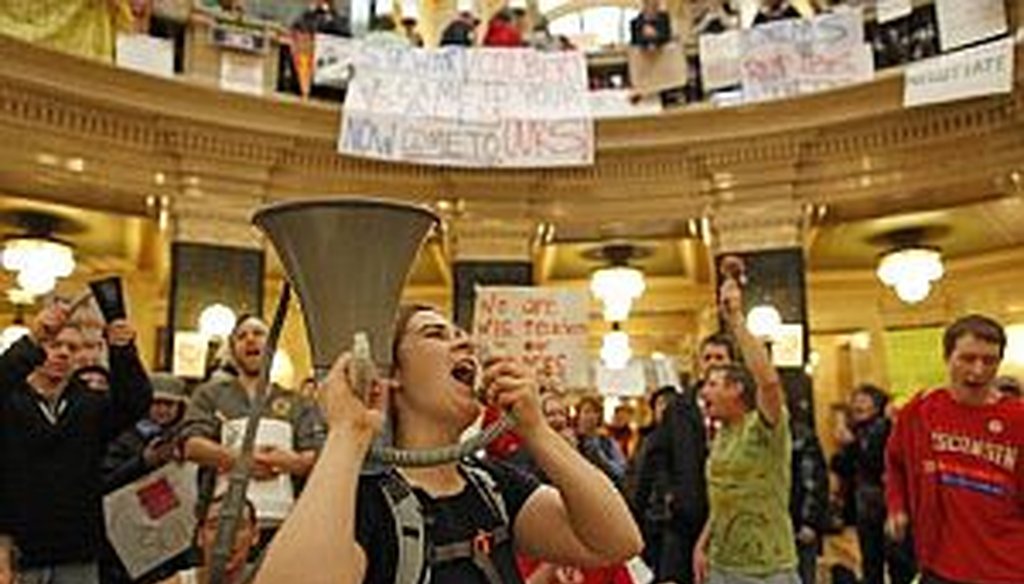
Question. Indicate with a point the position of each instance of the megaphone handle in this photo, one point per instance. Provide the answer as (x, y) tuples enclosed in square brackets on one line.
[(361, 371)]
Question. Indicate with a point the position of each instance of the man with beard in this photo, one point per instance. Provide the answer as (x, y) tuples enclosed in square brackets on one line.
[(216, 418)]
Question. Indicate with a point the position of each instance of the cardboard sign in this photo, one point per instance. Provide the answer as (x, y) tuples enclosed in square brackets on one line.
[(152, 519), (962, 23), (544, 328), (976, 72), (505, 108), (655, 70)]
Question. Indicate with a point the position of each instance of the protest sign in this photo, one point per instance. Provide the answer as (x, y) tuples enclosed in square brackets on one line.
[(241, 72), (962, 23), (152, 519), (332, 60), (274, 497), (659, 69), (720, 59), (543, 328), (511, 108), (975, 72), (793, 57), (145, 54)]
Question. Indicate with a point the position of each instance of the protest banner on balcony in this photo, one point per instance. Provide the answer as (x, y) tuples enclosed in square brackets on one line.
[(504, 108)]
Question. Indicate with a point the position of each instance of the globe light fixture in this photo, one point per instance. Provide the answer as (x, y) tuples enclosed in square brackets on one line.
[(910, 272), (617, 287), (38, 261), (216, 320), (764, 321), (615, 350)]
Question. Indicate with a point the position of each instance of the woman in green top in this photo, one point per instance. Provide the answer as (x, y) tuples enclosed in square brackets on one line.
[(748, 538)]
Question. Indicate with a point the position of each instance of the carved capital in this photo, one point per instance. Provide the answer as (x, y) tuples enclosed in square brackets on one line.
[(492, 239), (752, 227)]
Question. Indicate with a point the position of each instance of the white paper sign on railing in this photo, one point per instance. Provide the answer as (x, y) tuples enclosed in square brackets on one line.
[(962, 23), (984, 70), (720, 59), (544, 328), (794, 57), (513, 108)]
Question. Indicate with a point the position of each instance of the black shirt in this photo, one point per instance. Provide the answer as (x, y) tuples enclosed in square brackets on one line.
[(448, 519), (50, 464)]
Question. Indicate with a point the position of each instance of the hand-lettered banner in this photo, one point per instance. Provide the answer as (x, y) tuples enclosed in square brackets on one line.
[(974, 72), (544, 328), (514, 108), (792, 57)]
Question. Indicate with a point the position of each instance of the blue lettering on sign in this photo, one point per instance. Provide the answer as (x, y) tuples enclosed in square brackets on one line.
[(367, 135)]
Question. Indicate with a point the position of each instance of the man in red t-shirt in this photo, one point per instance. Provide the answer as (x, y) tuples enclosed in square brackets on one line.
[(953, 467)]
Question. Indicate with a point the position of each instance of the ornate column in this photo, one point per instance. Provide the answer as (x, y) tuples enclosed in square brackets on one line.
[(216, 258)]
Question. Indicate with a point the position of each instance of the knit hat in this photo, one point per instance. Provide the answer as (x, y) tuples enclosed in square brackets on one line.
[(168, 387)]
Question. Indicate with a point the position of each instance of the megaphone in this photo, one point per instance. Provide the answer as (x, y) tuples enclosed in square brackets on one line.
[(348, 259)]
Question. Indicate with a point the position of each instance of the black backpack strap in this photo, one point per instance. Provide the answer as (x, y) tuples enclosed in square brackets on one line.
[(410, 530)]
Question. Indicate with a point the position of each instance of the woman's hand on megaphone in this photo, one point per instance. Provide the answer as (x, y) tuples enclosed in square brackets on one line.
[(344, 411), (513, 388)]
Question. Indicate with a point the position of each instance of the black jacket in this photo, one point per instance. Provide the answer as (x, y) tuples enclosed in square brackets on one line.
[(662, 27), (808, 501), (50, 485), (672, 471)]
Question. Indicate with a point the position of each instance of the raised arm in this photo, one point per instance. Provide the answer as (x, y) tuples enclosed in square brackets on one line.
[(770, 395), (583, 520), (130, 389), (316, 544), (25, 354)]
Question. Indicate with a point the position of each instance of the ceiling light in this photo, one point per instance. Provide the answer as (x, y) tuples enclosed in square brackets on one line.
[(910, 272), (216, 320), (617, 287), (38, 261), (615, 351), (764, 321)]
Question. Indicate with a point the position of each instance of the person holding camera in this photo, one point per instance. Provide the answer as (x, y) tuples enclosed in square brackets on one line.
[(53, 434)]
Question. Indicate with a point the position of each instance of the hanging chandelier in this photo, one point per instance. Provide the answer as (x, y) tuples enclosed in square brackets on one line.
[(38, 262), (911, 271), (617, 287), (615, 349), (619, 284)]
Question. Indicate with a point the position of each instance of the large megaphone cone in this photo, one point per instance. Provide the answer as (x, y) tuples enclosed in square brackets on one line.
[(347, 259)]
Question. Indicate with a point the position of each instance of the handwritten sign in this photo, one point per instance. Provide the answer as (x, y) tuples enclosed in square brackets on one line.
[(544, 328), (514, 108), (793, 57), (962, 23), (152, 520), (332, 60), (720, 59), (976, 72)]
